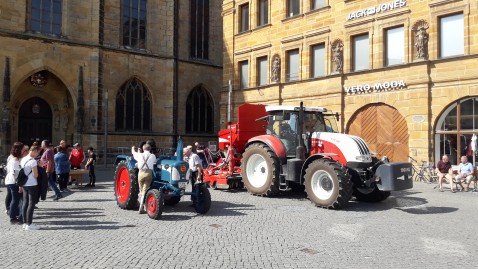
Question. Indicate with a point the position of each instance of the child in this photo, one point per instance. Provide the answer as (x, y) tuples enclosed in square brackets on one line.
[(90, 165)]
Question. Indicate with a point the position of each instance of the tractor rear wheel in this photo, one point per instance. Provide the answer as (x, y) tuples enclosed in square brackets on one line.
[(370, 195), (126, 186), (172, 200), (327, 184), (203, 199), (260, 170), (154, 203)]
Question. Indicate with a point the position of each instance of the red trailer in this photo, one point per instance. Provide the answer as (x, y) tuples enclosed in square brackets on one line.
[(226, 172)]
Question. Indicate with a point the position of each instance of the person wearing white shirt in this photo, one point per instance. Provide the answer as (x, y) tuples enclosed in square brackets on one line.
[(13, 167), (145, 161), (195, 167), (30, 189)]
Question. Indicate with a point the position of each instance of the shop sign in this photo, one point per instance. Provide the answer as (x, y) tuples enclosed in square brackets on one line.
[(377, 87), (378, 9)]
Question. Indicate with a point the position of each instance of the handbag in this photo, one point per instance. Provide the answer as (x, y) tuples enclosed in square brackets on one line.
[(22, 178)]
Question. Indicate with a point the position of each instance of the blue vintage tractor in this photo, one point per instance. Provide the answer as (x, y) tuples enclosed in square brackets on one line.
[(167, 188)]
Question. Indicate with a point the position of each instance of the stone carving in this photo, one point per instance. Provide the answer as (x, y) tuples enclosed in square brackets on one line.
[(421, 39), (276, 69), (338, 55)]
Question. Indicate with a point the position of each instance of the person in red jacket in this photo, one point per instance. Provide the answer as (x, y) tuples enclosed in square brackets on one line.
[(77, 158)]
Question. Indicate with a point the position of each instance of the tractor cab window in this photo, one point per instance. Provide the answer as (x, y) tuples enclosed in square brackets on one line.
[(313, 122), (331, 123), (284, 127)]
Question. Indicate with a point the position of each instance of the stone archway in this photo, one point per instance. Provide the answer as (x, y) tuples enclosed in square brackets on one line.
[(383, 128), (34, 121)]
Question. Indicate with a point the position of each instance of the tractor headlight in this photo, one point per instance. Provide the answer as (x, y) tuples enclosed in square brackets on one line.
[(175, 174)]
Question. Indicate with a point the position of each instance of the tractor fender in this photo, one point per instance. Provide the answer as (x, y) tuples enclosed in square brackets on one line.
[(271, 141), (130, 161), (311, 159)]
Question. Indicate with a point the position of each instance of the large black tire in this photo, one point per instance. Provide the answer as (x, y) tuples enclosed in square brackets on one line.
[(327, 184), (170, 201), (260, 170), (126, 186), (203, 199), (154, 203), (372, 195)]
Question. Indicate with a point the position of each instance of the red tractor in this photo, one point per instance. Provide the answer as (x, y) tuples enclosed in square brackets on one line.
[(286, 147)]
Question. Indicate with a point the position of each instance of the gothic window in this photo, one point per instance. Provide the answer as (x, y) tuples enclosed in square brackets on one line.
[(45, 17), (199, 29), (133, 21), (133, 107), (199, 111)]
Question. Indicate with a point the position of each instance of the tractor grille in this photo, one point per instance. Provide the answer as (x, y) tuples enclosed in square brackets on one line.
[(362, 145)]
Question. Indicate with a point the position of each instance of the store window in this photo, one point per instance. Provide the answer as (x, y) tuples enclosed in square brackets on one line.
[(263, 12), (457, 131), (293, 8), (316, 4), (199, 29), (199, 111), (360, 52), (133, 107), (262, 68), (452, 36), (45, 17), (244, 11), (133, 22), (244, 69), (395, 47), (292, 72), (318, 61)]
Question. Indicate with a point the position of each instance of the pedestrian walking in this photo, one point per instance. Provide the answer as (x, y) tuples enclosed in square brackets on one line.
[(48, 162), (30, 189), (90, 165), (62, 168)]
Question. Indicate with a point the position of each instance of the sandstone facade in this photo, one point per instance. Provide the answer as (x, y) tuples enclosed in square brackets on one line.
[(87, 65), (422, 92)]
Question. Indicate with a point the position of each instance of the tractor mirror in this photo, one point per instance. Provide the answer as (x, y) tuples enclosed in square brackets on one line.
[(337, 116)]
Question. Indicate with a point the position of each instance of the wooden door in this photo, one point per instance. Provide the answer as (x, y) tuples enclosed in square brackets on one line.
[(35, 121), (384, 129)]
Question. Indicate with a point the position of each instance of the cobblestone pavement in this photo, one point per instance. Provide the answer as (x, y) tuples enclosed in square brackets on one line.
[(420, 228)]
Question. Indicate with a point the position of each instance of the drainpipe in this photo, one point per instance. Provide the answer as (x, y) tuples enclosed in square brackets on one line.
[(175, 73)]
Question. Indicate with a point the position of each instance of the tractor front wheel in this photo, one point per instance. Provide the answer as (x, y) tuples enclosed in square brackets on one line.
[(203, 199), (154, 203), (370, 195), (126, 186), (327, 184), (260, 170)]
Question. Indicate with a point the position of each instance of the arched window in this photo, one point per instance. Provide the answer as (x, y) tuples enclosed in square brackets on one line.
[(456, 129), (133, 107), (199, 111)]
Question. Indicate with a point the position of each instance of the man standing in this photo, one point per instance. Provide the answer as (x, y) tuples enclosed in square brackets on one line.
[(77, 157), (48, 163), (465, 174), (146, 161), (195, 167), (443, 169)]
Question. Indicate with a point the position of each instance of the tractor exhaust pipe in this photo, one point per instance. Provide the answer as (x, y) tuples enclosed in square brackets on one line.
[(300, 151)]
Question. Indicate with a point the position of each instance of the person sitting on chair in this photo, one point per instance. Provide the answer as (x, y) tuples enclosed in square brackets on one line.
[(443, 169), (465, 173)]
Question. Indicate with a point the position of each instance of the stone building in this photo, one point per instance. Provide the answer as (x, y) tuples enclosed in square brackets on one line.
[(125, 70), (402, 74)]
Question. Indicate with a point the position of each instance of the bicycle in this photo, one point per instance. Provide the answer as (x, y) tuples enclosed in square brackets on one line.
[(426, 173)]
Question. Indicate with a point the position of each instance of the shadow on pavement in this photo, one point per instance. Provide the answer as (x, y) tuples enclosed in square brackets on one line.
[(428, 210), (82, 225)]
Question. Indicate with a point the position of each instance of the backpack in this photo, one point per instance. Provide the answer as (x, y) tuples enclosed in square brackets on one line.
[(22, 178)]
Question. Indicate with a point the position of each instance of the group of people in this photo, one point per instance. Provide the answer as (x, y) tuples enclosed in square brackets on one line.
[(145, 156), (45, 167), (465, 173)]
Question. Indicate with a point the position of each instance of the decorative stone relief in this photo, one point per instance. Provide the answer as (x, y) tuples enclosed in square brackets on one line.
[(276, 69), (338, 55), (421, 39)]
